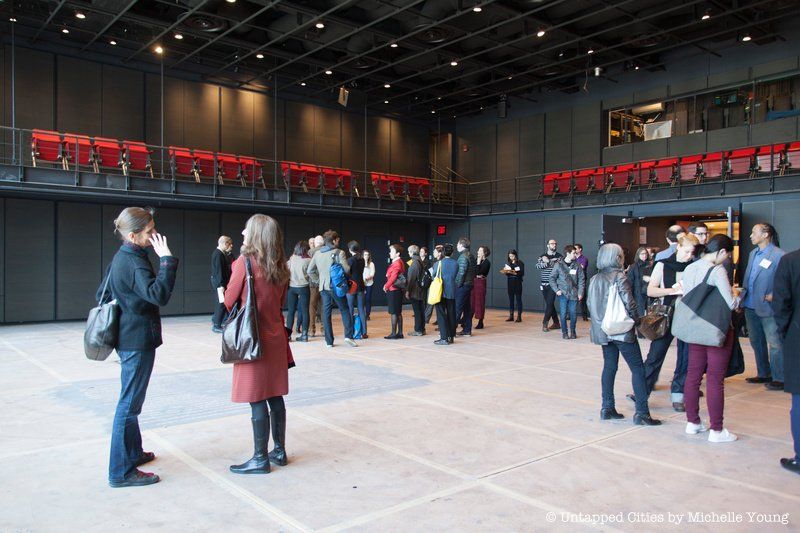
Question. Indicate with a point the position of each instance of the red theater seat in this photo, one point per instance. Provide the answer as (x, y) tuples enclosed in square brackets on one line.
[(790, 158), (106, 153), (136, 156), (711, 166), (79, 148), (206, 164), (741, 162), (249, 171), (549, 185), (183, 162), (691, 168), (48, 146), (228, 169), (584, 181)]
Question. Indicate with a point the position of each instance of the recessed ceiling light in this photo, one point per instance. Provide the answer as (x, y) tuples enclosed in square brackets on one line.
[(64, 31), (319, 25), (540, 33), (231, 1), (561, 53), (386, 101), (179, 36), (394, 45), (746, 38), (511, 77), (454, 63), (80, 15), (259, 56), (590, 51), (12, 19), (439, 98), (328, 72), (158, 50), (387, 86), (477, 9), (706, 15), (302, 84), (636, 67), (433, 111), (112, 42), (481, 108)]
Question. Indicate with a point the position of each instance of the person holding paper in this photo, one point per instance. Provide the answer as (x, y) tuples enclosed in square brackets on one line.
[(514, 269), (221, 260)]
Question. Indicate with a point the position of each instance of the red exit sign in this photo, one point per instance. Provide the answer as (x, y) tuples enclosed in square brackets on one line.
[(441, 229)]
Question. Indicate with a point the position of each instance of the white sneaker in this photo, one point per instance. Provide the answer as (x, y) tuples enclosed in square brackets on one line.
[(721, 436), (694, 429), (328, 345), (351, 342)]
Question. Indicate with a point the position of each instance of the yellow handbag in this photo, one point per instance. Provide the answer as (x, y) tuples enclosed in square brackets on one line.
[(436, 288)]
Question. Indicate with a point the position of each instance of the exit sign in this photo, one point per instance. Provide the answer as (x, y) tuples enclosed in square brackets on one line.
[(441, 229)]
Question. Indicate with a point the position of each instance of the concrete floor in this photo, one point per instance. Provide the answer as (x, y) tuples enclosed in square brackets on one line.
[(499, 432)]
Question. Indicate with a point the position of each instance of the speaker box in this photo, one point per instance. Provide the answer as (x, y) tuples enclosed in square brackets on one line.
[(344, 94), (502, 109)]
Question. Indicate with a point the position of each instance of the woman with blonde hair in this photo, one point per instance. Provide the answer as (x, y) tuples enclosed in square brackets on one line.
[(266, 380)]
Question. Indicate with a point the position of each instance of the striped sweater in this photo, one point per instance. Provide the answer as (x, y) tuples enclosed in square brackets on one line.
[(545, 263)]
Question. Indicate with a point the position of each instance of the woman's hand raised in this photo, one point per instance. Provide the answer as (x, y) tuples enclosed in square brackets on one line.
[(159, 243)]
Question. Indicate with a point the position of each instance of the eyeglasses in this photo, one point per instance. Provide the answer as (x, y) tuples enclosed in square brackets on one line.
[(701, 233), (551, 242)]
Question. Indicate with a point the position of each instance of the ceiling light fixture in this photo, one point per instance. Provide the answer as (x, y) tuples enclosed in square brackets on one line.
[(454, 63), (302, 84), (112, 42), (386, 101), (158, 49), (80, 15), (561, 53), (319, 25), (231, 1), (706, 15), (636, 67), (394, 45), (328, 72), (590, 51), (477, 9), (12, 19), (511, 77), (387, 86), (64, 31), (746, 38), (433, 111), (540, 33), (179, 36), (259, 56)]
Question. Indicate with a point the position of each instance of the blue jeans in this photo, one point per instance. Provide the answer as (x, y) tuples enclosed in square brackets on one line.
[(763, 333), (356, 301), (569, 310), (796, 424), (126, 439), (329, 299), (464, 307), (633, 356), (368, 301), (297, 300), (679, 377)]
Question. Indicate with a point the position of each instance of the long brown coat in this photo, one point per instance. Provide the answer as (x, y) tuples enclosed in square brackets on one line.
[(269, 376)]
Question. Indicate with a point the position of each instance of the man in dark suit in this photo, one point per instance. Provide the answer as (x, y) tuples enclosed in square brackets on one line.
[(221, 261), (786, 308)]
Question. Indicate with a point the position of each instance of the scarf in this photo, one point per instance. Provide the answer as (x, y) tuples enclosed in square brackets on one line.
[(671, 268)]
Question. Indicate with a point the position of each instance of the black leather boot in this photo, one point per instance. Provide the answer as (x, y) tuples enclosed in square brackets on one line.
[(519, 317), (480, 324), (610, 414), (510, 317), (259, 463), (278, 453)]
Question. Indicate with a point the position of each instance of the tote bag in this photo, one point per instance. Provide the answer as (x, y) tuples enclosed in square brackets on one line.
[(102, 328), (437, 287), (616, 320), (240, 342), (702, 316)]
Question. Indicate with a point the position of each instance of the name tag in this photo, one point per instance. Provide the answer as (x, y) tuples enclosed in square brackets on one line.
[(517, 269), (573, 271), (765, 263)]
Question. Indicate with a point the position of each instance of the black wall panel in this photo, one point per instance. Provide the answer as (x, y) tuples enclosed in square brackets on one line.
[(30, 260), (35, 89), (586, 135), (531, 244), (731, 76), (264, 113), (694, 143), (201, 115), (298, 228), (504, 238), (379, 134), (232, 225), (299, 132), (531, 145), (79, 96), (237, 121), (774, 131), (201, 231), (558, 140), (655, 149), (648, 95), (466, 155), (409, 149), (353, 141), (110, 242), (615, 155), (123, 103), (588, 230), (485, 146), (327, 136), (785, 220), (727, 138), (173, 111), (78, 258), (508, 149)]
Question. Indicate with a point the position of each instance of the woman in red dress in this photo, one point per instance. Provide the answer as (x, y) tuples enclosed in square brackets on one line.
[(266, 380), (394, 295)]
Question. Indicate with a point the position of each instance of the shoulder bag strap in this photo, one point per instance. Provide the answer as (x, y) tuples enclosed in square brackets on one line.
[(439, 270), (105, 286)]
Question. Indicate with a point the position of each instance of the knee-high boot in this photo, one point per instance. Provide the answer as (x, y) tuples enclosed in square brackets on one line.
[(278, 453), (259, 463)]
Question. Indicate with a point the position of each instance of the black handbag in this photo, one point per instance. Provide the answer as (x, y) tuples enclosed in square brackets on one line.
[(736, 364), (240, 342), (655, 324), (102, 328), (401, 282)]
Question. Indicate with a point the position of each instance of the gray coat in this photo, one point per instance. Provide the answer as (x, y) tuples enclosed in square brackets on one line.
[(319, 269), (570, 285), (597, 299)]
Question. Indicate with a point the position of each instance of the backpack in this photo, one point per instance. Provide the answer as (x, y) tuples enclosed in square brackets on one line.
[(358, 328), (339, 283)]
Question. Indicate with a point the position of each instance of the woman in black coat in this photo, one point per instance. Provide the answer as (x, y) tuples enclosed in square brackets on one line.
[(514, 269), (139, 293), (639, 276)]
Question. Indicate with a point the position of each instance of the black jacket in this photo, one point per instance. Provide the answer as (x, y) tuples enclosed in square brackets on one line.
[(357, 271), (415, 292), (139, 293), (220, 268), (466, 269), (786, 308)]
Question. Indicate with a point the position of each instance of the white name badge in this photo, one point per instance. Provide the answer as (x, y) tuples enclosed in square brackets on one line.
[(517, 269), (765, 263), (573, 272)]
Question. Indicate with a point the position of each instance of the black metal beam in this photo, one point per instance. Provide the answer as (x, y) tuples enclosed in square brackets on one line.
[(108, 26), (169, 28), (49, 19)]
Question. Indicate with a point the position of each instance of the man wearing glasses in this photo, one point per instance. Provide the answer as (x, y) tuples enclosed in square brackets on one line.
[(545, 263)]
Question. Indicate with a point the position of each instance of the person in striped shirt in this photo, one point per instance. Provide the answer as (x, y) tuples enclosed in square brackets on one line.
[(545, 264)]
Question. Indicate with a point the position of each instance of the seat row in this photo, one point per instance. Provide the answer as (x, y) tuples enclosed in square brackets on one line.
[(750, 162)]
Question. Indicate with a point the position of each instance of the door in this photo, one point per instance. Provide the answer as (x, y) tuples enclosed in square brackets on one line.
[(378, 245), (623, 231)]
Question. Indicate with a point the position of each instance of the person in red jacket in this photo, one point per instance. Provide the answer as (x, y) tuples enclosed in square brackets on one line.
[(266, 380), (394, 287)]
